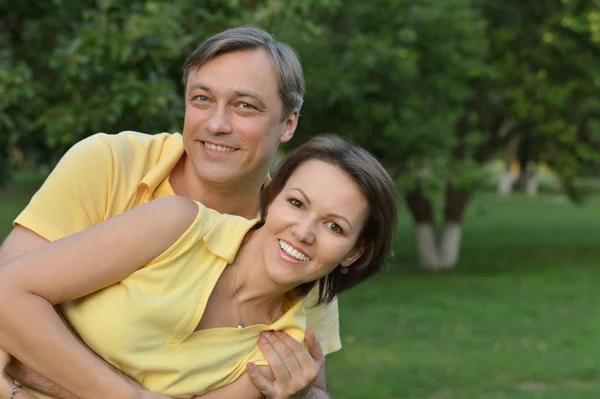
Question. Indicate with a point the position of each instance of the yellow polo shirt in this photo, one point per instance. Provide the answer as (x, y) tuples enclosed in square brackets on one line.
[(144, 325), (105, 175)]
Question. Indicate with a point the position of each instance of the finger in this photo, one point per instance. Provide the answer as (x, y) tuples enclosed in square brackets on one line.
[(265, 386), (286, 348), (314, 347), (275, 360), (309, 367), (301, 353)]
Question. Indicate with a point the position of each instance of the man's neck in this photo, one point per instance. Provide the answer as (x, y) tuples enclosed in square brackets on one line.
[(233, 199)]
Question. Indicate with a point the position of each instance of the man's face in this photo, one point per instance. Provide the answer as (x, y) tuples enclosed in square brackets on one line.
[(233, 113)]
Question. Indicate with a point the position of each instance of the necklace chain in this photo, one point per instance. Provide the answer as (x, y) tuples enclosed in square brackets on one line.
[(237, 299)]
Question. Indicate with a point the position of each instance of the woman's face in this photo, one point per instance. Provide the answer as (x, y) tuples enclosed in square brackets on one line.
[(313, 225)]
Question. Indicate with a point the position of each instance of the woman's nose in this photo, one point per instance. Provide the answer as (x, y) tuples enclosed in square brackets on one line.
[(303, 230)]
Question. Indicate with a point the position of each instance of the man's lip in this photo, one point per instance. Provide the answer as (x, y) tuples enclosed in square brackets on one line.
[(219, 144)]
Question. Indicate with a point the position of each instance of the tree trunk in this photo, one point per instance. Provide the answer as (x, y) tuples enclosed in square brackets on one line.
[(438, 251), (532, 183), (505, 185), (506, 182)]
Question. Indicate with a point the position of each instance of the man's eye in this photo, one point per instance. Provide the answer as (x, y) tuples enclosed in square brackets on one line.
[(200, 99), (246, 106), (334, 227)]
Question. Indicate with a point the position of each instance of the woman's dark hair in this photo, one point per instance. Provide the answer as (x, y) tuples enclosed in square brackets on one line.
[(379, 190)]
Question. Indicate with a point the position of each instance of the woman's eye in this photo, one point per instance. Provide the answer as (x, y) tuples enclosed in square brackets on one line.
[(334, 227), (295, 202)]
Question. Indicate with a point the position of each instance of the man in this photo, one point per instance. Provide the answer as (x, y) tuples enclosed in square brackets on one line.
[(243, 94)]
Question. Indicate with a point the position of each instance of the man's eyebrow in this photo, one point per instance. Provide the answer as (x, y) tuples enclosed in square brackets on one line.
[(198, 86), (334, 215)]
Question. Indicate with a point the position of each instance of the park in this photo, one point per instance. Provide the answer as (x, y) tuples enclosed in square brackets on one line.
[(485, 113)]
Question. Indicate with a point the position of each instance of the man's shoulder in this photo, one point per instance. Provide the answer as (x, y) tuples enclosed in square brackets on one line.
[(129, 147), (133, 140)]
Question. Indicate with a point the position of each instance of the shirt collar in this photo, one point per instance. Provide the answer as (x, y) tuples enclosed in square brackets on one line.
[(226, 235), (170, 154)]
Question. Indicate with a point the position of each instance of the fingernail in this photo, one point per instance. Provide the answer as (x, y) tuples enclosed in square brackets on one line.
[(266, 334), (277, 333), (251, 366), (263, 340)]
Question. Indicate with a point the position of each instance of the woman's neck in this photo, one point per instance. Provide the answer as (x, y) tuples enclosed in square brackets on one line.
[(254, 285)]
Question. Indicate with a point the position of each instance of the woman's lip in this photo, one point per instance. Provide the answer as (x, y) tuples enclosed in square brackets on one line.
[(287, 257)]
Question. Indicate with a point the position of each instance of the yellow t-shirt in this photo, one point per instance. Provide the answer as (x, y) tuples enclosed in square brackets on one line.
[(105, 175), (167, 297)]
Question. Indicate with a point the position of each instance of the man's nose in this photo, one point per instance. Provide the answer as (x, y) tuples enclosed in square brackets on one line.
[(220, 121)]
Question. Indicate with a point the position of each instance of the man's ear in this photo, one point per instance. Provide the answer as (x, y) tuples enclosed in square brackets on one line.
[(291, 122)]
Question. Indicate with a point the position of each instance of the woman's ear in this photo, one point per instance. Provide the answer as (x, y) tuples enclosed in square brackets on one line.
[(353, 256)]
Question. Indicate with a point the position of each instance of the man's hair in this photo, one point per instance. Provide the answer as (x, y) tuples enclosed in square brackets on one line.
[(378, 188), (286, 63)]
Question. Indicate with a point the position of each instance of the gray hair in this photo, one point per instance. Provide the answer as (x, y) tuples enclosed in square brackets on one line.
[(288, 69)]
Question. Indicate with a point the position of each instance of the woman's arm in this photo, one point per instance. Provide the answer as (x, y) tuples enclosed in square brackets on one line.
[(71, 268)]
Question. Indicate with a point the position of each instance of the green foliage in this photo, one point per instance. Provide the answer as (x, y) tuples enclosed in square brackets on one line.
[(74, 68), (441, 87), (433, 88), (397, 83), (548, 51)]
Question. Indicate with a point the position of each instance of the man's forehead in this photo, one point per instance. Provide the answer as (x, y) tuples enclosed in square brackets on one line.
[(245, 63), (238, 75)]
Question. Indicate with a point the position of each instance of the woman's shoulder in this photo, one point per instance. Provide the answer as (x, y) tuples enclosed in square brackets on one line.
[(177, 207)]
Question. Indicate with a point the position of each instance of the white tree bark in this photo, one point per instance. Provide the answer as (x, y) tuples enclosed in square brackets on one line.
[(505, 184), (450, 245), (532, 184), (427, 245), (442, 253)]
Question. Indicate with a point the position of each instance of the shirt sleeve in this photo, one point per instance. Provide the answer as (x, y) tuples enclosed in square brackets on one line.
[(324, 320), (76, 195)]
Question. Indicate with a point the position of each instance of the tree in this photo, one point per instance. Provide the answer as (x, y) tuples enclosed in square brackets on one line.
[(402, 89), (439, 88)]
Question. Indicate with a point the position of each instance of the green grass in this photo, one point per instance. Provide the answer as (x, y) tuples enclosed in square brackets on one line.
[(518, 319)]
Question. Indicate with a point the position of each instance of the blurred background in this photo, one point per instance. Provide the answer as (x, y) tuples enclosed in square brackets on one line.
[(486, 112)]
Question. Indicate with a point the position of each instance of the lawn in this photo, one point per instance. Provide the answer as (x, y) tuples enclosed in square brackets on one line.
[(518, 319)]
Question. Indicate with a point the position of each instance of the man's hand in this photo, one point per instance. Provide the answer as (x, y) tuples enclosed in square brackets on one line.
[(294, 368)]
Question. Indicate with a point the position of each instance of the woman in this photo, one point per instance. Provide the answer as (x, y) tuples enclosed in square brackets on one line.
[(205, 286)]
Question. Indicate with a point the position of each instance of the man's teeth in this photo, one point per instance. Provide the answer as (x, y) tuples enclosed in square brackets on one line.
[(215, 147), (292, 252)]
